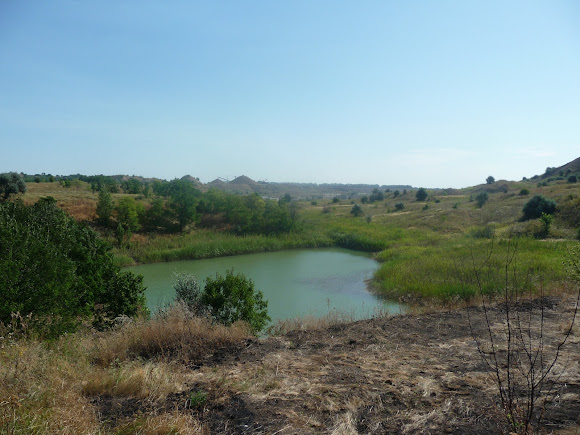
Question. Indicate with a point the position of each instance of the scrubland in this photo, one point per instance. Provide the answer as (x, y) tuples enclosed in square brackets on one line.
[(413, 373)]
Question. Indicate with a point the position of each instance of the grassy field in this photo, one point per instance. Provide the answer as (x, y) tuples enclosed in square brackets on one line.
[(427, 248)]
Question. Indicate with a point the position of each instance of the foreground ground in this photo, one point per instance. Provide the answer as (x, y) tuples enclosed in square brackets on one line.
[(404, 374)]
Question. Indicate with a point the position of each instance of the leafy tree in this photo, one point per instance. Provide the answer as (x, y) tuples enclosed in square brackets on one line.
[(481, 198), (421, 194), (184, 200), (232, 298), (335, 200), (157, 216), (11, 183), (105, 207), (356, 210), (364, 199), (396, 193), (534, 208), (132, 186), (127, 214), (572, 179), (399, 206), (287, 198), (490, 180), (57, 269), (376, 195)]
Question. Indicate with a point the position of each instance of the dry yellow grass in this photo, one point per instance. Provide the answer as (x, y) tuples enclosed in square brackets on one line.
[(174, 334), (175, 423), (40, 390), (48, 387)]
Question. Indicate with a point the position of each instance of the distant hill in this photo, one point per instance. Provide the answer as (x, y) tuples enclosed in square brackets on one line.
[(570, 168), (242, 179)]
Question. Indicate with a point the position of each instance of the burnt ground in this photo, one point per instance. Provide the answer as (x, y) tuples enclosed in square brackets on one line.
[(406, 374)]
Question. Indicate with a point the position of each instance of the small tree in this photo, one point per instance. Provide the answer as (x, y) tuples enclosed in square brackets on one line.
[(286, 199), (546, 220), (481, 199), (11, 183), (513, 346), (127, 214), (490, 180), (105, 207), (572, 179), (421, 194), (399, 206), (232, 298), (356, 210)]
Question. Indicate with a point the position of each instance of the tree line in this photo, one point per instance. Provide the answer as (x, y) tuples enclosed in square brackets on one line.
[(176, 204)]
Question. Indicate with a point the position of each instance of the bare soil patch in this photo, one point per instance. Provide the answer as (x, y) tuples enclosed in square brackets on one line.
[(404, 374)]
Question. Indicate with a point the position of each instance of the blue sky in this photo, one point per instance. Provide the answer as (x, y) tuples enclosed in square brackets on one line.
[(435, 94)]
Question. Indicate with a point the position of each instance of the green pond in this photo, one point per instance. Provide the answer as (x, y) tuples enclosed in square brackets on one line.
[(305, 282)]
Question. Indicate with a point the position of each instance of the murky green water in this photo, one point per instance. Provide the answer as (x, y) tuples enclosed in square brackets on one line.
[(295, 283)]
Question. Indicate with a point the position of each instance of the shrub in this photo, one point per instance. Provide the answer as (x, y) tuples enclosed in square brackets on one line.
[(335, 200), (232, 298), (59, 270), (524, 192), (490, 180), (572, 179), (356, 210), (421, 194), (188, 292), (399, 206), (534, 208), (486, 232), (481, 199), (11, 184), (546, 220)]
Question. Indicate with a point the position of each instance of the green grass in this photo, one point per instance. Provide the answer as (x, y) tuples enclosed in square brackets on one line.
[(449, 269), (430, 251)]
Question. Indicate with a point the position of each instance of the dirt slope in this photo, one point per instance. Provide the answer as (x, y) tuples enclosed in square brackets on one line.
[(404, 374)]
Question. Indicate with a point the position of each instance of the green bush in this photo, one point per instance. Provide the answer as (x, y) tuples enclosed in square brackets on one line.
[(486, 232), (59, 271), (232, 298), (534, 208), (11, 183), (399, 206), (188, 292), (524, 192), (481, 199), (356, 210), (421, 194)]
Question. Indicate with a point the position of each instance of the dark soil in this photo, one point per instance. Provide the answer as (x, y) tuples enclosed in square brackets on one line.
[(404, 374)]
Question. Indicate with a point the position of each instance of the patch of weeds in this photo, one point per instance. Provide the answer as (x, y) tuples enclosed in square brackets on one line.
[(197, 399)]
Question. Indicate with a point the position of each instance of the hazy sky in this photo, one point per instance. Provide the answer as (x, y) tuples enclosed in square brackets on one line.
[(427, 93)]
